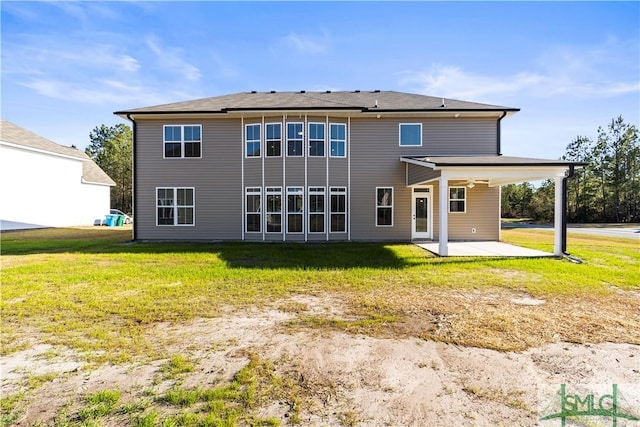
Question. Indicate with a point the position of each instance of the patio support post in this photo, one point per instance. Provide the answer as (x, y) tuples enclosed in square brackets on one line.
[(557, 217), (443, 216)]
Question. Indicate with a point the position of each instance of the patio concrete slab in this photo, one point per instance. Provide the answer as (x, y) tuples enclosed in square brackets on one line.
[(484, 249)]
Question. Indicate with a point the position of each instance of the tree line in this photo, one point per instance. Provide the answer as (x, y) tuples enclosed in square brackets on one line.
[(111, 147), (607, 189)]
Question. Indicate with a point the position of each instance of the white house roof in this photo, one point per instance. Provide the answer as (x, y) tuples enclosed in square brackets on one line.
[(12, 134)]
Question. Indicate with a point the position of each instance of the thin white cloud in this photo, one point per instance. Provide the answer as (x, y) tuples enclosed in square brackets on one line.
[(106, 92), (307, 44), (172, 59), (37, 56), (562, 71)]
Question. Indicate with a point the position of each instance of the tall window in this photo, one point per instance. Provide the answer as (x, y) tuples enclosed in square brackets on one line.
[(384, 206), (316, 139), (182, 141), (295, 198), (253, 209), (337, 139), (457, 199), (274, 209), (411, 134), (175, 206), (294, 139), (316, 209), (274, 139), (252, 140), (338, 209)]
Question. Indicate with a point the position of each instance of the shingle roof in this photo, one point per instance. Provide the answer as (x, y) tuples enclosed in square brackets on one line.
[(371, 101), (14, 134)]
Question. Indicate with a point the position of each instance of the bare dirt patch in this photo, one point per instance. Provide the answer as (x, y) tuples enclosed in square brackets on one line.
[(339, 378)]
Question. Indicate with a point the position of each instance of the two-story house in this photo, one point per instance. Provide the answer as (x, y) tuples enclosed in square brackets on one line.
[(325, 166)]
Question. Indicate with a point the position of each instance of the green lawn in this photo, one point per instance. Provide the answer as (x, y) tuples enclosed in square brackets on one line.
[(92, 290)]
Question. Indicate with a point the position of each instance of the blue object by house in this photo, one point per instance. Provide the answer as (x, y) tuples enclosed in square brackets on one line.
[(111, 220)]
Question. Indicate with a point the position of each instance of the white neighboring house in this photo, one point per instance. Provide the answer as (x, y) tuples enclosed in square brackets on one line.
[(44, 184)]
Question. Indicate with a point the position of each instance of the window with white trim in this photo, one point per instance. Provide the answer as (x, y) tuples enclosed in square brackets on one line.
[(253, 209), (295, 139), (252, 140), (316, 139), (274, 209), (337, 139), (273, 139), (295, 212), (338, 209), (410, 134), (458, 199), (182, 141), (316, 209), (175, 206), (384, 206)]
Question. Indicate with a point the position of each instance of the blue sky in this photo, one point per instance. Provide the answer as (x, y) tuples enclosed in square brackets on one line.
[(570, 67)]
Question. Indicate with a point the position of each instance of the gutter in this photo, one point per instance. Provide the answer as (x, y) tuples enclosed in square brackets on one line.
[(498, 137), (134, 179), (565, 198)]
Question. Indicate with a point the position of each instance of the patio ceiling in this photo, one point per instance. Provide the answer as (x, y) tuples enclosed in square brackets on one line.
[(491, 170)]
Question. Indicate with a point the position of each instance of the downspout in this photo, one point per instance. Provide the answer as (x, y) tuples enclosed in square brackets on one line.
[(134, 180), (504, 114), (565, 203)]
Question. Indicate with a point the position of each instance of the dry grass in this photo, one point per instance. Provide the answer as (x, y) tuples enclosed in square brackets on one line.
[(491, 319)]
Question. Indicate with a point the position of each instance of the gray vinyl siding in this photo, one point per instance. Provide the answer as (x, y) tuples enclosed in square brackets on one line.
[(458, 137), (483, 204), (420, 174), (273, 172), (317, 172), (373, 161), (294, 172), (216, 178)]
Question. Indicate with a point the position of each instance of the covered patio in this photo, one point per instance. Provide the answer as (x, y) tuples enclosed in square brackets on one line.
[(491, 171), (499, 249)]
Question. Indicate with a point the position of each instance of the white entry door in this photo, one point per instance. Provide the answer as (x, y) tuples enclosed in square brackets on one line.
[(421, 213)]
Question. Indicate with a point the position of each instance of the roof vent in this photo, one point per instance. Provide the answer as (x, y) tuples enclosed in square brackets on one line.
[(376, 91), (273, 91), (328, 91), (303, 91), (253, 91), (443, 104), (357, 91), (376, 104)]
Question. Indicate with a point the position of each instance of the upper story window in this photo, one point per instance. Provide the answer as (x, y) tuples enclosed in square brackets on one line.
[(252, 140), (182, 141), (273, 139), (316, 139), (337, 139), (295, 137), (457, 199), (410, 134)]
